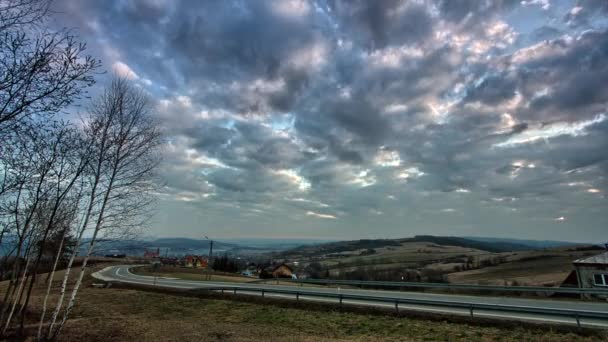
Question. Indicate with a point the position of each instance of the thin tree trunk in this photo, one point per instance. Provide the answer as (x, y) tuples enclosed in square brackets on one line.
[(72, 300), (64, 283), (33, 280), (98, 226), (50, 285), (14, 280), (17, 295)]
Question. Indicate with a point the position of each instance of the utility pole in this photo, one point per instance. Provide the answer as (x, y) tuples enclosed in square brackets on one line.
[(210, 260), (210, 250)]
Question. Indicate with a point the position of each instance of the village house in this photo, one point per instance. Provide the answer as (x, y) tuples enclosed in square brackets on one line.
[(278, 271), (592, 271), (195, 261)]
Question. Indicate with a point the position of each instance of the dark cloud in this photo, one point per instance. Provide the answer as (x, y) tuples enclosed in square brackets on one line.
[(544, 33), (372, 111), (382, 23), (585, 11), (472, 10), (492, 90)]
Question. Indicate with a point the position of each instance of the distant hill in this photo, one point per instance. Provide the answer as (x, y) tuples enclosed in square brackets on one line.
[(535, 244), (168, 246), (289, 248), (338, 247), (176, 246), (353, 245), (489, 246)]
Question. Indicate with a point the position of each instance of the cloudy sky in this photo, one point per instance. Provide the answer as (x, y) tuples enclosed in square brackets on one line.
[(345, 119)]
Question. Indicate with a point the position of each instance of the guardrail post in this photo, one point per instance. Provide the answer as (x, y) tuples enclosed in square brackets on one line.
[(397, 306), (297, 296), (262, 293), (578, 321), (235, 290), (340, 301), (471, 310), (222, 291)]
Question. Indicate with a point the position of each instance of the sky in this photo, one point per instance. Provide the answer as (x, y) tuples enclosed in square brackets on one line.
[(339, 119)]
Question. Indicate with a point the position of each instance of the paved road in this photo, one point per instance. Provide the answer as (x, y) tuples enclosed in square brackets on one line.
[(123, 274)]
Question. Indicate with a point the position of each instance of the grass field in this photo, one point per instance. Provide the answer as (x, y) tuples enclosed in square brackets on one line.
[(118, 314), (123, 314), (545, 267), (550, 270), (190, 274)]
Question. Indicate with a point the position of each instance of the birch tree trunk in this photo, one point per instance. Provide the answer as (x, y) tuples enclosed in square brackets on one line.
[(49, 286), (17, 295)]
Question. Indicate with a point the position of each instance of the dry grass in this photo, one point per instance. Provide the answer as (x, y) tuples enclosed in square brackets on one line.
[(191, 274), (125, 315), (116, 314), (545, 270), (119, 314)]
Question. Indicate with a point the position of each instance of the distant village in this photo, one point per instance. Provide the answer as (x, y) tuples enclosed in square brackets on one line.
[(223, 263)]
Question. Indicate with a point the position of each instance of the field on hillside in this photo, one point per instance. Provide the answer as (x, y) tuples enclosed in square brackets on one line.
[(115, 314), (524, 268), (397, 260)]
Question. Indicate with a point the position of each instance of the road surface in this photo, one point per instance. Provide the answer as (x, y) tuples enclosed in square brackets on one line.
[(123, 274)]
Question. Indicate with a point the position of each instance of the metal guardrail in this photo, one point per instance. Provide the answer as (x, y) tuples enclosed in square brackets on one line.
[(471, 307), (496, 288)]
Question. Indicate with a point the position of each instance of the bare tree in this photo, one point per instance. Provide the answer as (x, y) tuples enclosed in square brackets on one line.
[(41, 72), (22, 13), (49, 165), (126, 141)]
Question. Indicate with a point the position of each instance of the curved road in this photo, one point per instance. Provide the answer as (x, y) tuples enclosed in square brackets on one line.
[(122, 274)]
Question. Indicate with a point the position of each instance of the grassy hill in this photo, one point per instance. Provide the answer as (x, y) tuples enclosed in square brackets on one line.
[(365, 244), (437, 259), (489, 246)]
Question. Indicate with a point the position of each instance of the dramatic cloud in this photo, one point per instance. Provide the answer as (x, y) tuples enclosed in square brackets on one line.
[(346, 119)]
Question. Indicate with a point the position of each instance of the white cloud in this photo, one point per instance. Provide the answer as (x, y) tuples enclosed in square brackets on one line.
[(392, 57), (294, 178), (318, 215), (410, 173), (544, 4), (291, 8), (123, 70), (304, 200), (386, 158), (576, 10), (184, 100), (542, 50), (311, 57), (363, 179), (545, 132), (198, 159), (395, 108)]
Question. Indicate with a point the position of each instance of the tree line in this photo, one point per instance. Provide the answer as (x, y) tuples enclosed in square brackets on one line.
[(65, 183)]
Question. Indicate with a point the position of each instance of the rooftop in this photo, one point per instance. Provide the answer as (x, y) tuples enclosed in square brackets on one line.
[(596, 259)]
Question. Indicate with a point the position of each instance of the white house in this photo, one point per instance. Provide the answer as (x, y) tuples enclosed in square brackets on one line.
[(592, 271)]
